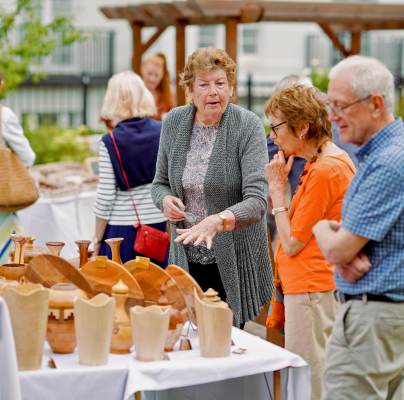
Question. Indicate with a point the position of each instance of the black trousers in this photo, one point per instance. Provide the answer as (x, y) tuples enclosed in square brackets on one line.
[(207, 276)]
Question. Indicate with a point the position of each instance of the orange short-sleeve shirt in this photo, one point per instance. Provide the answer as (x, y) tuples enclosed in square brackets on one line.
[(319, 196)]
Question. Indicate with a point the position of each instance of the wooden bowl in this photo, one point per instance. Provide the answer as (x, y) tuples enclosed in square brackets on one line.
[(13, 272)]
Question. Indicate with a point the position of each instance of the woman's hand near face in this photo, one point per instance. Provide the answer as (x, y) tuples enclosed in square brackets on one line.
[(205, 231), (277, 172), (173, 208)]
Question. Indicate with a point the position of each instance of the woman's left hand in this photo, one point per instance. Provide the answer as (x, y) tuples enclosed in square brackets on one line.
[(205, 231), (277, 172)]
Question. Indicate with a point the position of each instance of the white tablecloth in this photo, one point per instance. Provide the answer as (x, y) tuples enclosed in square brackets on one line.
[(186, 375), (9, 385), (64, 219)]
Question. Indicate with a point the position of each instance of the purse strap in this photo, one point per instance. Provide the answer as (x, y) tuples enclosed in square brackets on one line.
[(125, 177), (277, 281)]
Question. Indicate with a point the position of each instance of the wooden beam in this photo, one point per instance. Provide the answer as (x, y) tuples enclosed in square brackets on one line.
[(335, 40), (180, 58), (137, 46), (250, 13), (355, 42), (152, 39)]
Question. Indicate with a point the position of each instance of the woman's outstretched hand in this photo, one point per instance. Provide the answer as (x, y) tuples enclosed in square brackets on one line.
[(205, 231)]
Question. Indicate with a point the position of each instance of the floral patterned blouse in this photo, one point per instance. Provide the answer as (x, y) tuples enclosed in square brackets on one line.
[(201, 145)]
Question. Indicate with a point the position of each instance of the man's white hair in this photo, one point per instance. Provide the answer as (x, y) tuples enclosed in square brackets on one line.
[(368, 76)]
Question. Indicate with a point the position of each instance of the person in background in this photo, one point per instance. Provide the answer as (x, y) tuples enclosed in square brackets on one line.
[(13, 137), (210, 181), (365, 354), (157, 79), (300, 127), (127, 110)]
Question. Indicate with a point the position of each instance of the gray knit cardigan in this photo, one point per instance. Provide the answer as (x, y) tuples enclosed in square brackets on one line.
[(235, 181)]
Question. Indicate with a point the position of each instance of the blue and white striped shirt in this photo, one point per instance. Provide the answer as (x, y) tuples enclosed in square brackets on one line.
[(116, 205), (374, 208)]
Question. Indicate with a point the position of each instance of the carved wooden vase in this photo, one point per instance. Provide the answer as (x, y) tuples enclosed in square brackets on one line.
[(93, 327), (149, 330), (55, 247), (122, 329), (176, 321), (83, 251), (214, 325), (115, 245), (61, 334), (28, 306)]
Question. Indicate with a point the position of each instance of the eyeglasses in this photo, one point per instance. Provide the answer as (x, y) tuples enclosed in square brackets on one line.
[(341, 109), (274, 127)]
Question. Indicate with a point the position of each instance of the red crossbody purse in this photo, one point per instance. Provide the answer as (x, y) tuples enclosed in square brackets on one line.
[(149, 241)]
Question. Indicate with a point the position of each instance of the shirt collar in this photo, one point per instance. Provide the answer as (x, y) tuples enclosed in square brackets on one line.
[(380, 139)]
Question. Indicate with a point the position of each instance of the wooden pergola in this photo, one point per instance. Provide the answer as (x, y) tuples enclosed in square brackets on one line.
[(332, 18)]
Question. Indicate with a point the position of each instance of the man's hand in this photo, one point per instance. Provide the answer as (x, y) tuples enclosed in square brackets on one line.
[(355, 269)]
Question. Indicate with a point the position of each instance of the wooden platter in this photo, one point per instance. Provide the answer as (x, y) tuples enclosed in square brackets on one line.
[(150, 278), (49, 269)]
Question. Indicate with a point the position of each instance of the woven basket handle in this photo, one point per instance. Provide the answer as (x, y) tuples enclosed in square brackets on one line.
[(2, 141)]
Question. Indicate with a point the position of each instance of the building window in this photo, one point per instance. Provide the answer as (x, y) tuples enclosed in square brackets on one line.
[(249, 40), (207, 35), (62, 8), (62, 55)]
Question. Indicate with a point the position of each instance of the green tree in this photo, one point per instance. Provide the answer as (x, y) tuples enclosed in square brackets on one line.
[(25, 39)]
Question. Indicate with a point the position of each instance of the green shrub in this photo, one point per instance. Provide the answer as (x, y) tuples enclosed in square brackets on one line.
[(52, 143)]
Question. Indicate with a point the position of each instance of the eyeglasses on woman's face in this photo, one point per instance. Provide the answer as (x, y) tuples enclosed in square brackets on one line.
[(274, 128)]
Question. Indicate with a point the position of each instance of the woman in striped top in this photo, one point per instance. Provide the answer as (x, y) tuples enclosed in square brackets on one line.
[(126, 111)]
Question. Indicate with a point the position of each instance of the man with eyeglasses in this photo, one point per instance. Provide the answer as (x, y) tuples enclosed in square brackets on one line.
[(365, 354)]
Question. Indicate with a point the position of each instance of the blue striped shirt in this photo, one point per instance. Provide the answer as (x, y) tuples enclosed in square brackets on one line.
[(374, 208)]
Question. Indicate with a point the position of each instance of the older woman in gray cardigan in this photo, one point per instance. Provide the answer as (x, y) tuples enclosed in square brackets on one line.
[(210, 182)]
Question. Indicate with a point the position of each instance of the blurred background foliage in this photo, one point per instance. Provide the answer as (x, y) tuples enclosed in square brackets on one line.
[(52, 143), (24, 40)]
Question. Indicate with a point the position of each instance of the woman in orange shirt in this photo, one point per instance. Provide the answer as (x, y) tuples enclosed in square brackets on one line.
[(157, 79), (300, 127)]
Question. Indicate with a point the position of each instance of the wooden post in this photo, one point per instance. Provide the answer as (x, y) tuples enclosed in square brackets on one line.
[(355, 42), (137, 48), (231, 38), (180, 58), (231, 45)]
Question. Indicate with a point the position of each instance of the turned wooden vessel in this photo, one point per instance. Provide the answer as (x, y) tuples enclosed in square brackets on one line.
[(28, 306), (19, 247), (150, 278), (115, 245), (83, 251), (122, 329), (55, 247), (49, 270), (176, 321), (13, 272), (186, 284), (28, 250), (214, 326), (60, 331), (149, 330), (94, 319), (102, 274)]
